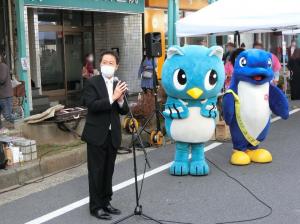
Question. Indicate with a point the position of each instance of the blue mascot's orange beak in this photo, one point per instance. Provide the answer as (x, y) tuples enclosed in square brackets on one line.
[(195, 93)]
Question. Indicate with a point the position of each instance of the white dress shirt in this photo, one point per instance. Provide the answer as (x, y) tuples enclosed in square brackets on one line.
[(110, 89)]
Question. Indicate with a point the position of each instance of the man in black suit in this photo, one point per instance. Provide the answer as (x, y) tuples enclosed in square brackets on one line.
[(104, 99)]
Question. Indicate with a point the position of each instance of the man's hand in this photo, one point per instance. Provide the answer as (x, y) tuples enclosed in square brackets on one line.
[(119, 91)]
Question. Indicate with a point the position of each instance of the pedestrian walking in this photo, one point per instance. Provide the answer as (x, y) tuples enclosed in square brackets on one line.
[(294, 67), (6, 94), (104, 99), (291, 49), (146, 73)]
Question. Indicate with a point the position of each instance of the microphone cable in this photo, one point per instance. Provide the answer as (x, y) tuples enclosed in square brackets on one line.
[(249, 191)]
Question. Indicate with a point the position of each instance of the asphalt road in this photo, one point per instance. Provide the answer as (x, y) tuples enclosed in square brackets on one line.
[(211, 199)]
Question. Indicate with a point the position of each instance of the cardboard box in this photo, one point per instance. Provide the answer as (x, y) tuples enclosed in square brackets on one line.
[(28, 148), (222, 131), (9, 156)]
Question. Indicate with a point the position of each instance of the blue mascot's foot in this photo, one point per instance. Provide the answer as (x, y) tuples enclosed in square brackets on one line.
[(199, 168), (179, 168)]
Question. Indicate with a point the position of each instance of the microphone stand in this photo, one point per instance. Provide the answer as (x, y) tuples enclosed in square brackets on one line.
[(156, 112), (138, 211)]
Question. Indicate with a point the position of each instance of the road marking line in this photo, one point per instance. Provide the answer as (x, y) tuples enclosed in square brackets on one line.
[(117, 187), (122, 185)]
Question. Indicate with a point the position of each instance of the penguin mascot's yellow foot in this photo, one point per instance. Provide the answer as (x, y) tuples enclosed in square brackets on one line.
[(260, 155), (240, 158)]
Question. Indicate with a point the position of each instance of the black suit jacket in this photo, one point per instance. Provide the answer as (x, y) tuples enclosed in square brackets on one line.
[(101, 114)]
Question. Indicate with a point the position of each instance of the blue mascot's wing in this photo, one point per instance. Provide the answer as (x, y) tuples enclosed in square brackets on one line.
[(278, 102), (228, 108), (209, 108), (175, 109)]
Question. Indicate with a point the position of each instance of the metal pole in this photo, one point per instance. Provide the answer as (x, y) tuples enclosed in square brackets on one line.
[(19, 5), (298, 40), (170, 23), (212, 40), (176, 16), (173, 13)]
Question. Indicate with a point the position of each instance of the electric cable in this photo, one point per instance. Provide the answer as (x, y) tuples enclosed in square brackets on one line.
[(249, 191)]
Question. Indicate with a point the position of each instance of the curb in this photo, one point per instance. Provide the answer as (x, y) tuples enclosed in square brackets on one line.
[(32, 170)]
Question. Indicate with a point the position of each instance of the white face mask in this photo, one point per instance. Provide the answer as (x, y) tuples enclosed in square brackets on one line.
[(108, 71)]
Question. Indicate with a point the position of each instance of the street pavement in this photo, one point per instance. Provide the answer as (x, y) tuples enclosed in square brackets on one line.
[(215, 198)]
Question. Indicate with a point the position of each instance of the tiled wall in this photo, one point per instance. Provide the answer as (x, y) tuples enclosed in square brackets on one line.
[(33, 38), (121, 31)]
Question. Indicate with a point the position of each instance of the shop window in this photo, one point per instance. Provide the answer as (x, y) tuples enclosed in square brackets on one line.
[(49, 17), (87, 19), (72, 18)]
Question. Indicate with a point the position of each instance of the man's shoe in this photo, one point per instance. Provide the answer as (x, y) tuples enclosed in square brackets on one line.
[(101, 214), (111, 210)]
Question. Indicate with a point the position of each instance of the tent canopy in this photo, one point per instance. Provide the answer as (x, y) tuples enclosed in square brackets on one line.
[(291, 32), (228, 16)]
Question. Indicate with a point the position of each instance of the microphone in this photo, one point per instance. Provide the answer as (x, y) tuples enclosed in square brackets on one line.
[(116, 79)]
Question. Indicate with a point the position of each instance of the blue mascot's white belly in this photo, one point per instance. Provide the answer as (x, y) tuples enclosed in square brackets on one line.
[(194, 129), (255, 110)]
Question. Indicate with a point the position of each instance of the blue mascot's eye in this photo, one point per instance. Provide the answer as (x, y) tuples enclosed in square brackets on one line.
[(270, 62), (179, 79), (211, 79), (243, 62)]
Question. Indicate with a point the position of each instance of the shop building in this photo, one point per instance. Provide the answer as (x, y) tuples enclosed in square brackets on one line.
[(57, 36)]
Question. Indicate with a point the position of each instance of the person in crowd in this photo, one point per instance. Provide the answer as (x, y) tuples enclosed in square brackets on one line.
[(229, 66), (258, 45), (6, 94), (88, 70), (104, 98), (229, 48), (294, 67), (291, 49), (146, 73), (203, 42), (276, 66), (243, 46)]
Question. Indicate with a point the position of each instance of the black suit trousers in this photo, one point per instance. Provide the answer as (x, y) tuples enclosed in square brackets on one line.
[(101, 163)]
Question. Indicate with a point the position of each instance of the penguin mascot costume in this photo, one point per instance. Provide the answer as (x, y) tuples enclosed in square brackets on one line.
[(248, 104)]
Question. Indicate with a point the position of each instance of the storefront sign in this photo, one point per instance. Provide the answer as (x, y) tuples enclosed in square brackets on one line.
[(130, 6)]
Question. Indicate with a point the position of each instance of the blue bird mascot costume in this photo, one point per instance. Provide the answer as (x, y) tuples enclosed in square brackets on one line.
[(192, 78), (248, 104)]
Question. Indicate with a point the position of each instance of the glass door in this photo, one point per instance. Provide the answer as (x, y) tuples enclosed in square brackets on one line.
[(64, 38), (51, 61), (73, 67)]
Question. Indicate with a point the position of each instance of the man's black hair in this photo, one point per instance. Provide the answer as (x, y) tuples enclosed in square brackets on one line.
[(110, 52)]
